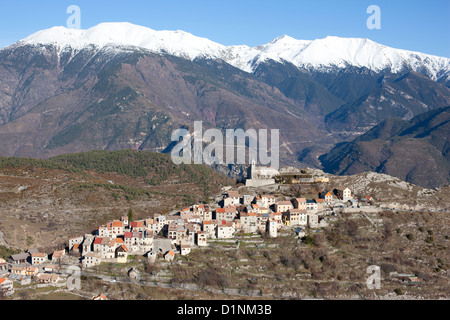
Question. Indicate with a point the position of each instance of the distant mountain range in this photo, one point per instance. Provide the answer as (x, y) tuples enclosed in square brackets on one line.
[(417, 151), (121, 86), (323, 54)]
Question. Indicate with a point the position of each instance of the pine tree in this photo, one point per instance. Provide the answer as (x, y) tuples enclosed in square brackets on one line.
[(130, 215)]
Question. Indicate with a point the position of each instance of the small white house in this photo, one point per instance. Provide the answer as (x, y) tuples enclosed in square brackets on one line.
[(185, 249), (202, 239), (39, 258), (345, 194)]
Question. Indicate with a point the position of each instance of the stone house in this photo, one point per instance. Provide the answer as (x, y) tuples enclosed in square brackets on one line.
[(18, 270), (154, 225), (91, 260), (169, 256), (228, 202), (320, 204), (74, 241), (249, 222), (247, 199), (31, 271), (133, 241), (311, 205), (267, 201), (76, 249), (107, 248), (296, 217), (283, 206), (137, 226), (207, 214), (3, 265), (122, 254), (58, 255), (210, 228), (201, 239), (313, 220), (344, 193), (47, 278), (19, 258), (300, 203), (278, 217), (103, 232), (125, 221), (146, 241), (88, 244), (227, 213), (225, 230), (52, 268), (97, 244), (6, 286), (235, 197)]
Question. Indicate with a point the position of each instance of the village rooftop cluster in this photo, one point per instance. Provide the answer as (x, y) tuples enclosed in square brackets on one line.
[(163, 237)]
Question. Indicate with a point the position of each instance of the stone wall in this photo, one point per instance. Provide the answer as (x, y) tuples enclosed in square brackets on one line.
[(259, 182)]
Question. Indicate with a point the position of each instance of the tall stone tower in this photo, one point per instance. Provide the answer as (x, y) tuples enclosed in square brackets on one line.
[(253, 169)]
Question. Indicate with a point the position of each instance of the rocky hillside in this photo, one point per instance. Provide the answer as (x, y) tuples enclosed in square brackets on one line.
[(417, 151), (43, 202), (131, 100)]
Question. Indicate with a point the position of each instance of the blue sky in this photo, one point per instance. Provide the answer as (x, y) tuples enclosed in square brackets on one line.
[(413, 25)]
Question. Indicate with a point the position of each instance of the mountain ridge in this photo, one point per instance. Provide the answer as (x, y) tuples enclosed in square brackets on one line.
[(326, 53), (59, 99), (416, 151)]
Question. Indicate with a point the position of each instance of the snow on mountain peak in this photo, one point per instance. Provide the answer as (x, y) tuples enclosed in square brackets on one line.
[(329, 52)]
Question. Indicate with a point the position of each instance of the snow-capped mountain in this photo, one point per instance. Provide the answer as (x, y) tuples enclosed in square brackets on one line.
[(323, 54), (120, 86)]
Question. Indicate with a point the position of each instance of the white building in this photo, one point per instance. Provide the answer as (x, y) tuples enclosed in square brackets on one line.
[(74, 241), (345, 194), (234, 197), (272, 227), (38, 258), (267, 201), (283, 206), (202, 239), (296, 217), (311, 205), (185, 249), (225, 230)]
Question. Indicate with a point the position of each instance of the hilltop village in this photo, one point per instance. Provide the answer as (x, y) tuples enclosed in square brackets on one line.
[(165, 236)]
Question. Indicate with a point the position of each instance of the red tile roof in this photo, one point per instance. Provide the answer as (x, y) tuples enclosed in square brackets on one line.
[(117, 224), (128, 235)]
